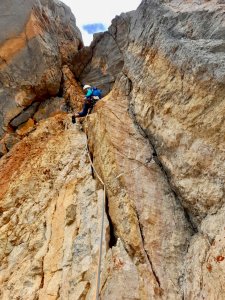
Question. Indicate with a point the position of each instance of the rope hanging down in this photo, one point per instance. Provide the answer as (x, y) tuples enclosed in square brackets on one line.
[(102, 217), (103, 209)]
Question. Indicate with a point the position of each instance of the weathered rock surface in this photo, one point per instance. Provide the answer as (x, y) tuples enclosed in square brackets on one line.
[(174, 60), (50, 210), (25, 115), (71, 90), (99, 64), (157, 140), (48, 108), (175, 66), (36, 39), (145, 214), (180, 103)]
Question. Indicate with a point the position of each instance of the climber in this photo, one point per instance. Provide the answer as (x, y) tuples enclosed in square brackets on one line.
[(92, 96)]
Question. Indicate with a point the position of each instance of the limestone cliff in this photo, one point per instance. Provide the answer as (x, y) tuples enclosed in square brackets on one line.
[(157, 141)]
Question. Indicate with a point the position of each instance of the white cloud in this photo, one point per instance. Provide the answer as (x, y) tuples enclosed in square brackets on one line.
[(98, 11)]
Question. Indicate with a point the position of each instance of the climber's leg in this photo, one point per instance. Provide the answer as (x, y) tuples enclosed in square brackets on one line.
[(83, 113)]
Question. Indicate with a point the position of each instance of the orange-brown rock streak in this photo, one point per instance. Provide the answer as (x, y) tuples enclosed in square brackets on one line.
[(12, 46), (50, 216), (72, 91)]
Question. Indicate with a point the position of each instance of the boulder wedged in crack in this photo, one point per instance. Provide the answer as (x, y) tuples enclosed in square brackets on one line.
[(146, 216)]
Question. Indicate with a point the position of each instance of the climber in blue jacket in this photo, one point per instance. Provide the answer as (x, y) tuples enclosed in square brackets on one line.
[(89, 90), (92, 96)]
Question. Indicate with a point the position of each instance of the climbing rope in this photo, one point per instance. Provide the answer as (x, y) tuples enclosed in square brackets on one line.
[(103, 208), (102, 216)]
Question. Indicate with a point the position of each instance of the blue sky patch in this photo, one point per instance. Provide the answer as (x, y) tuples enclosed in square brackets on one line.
[(93, 28)]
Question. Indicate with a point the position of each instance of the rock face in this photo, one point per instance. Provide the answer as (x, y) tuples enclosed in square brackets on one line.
[(180, 104), (50, 210), (144, 211), (38, 37), (175, 69), (156, 140), (99, 64)]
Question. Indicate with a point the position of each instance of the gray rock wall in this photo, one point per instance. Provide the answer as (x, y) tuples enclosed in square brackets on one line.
[(38, 38), (99, 64)]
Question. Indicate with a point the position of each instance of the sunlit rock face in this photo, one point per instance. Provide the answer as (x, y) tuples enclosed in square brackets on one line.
[(156, 140), (178, 97), (145, 213), (50, 209), (36, 39), (175, 69)]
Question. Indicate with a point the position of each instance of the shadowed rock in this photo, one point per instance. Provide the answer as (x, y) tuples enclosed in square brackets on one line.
[(49, 107), (25, 115), (38, 38), (99, 64)]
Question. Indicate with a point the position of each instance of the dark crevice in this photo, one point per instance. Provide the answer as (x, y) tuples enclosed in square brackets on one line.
[(189, 218), (91, 48), (24, 111), (130, 84), (146, 252), (113, 238), (61, 94), (80, 46), (92, 158), (42, 275), (92, 170), (61, 88)]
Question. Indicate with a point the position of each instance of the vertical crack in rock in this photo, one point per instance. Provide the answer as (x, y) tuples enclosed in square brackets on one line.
[(158, 162), (110, 34), (91, 49), (92, 170), (47, 250), (42, 274), (112, 237), (42, 262), (61, 88), (147, 255)]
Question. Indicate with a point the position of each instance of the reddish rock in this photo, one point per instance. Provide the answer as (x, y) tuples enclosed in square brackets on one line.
[(25, 128)]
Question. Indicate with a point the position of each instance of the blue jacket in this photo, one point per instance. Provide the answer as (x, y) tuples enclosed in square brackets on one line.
[(89, 93)]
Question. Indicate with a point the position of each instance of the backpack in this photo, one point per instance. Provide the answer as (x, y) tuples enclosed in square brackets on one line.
[(96, 92)]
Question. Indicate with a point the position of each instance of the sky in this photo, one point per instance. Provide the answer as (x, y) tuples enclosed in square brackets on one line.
[(96, 15)]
